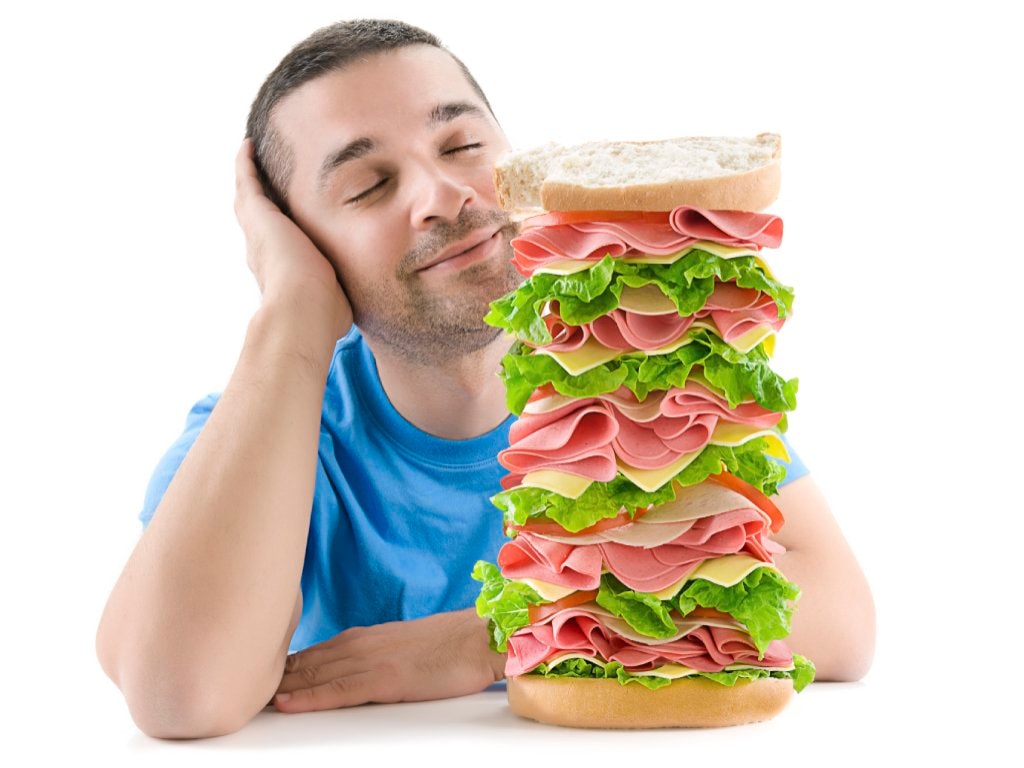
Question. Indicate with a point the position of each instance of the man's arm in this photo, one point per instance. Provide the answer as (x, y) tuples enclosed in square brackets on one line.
[(448, 655), (196, 629), (834, 621)]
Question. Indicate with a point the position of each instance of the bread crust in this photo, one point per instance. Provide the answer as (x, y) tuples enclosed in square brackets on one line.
[(751, 191), (519, 191), (691, 703)]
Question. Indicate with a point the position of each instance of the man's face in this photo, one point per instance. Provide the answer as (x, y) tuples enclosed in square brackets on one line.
[(392, 180)]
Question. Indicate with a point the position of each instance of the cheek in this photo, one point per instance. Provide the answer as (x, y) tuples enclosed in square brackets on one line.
[(366, 256)]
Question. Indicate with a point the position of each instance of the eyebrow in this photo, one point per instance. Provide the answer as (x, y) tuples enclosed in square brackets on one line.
[(445, 113), (351, 151), (442, 113)]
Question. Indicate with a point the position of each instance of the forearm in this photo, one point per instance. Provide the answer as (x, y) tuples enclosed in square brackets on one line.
[(834, 622), (203, 607)]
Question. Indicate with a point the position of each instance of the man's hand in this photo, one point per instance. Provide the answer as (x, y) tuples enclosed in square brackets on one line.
[(281, 256), (437, 657)]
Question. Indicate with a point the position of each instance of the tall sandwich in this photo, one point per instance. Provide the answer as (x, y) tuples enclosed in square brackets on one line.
[(639, 587)]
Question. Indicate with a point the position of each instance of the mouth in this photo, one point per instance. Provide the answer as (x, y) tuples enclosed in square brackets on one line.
[(470, 250)]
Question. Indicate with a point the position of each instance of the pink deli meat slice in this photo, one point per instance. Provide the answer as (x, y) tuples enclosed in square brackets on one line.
[(589, 436), (734, 311), (579, 566), (576, 438), (705, 648), (684, 226), (651, 570), (531, 557)]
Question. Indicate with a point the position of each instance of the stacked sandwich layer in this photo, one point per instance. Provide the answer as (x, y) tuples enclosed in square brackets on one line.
[(636, 499)]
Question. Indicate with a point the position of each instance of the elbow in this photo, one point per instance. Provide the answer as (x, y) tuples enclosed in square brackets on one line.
[(851, 651), (177, 699), (185, 712)]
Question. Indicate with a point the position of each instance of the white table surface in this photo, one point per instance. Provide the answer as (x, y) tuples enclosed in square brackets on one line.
[(829, 723)]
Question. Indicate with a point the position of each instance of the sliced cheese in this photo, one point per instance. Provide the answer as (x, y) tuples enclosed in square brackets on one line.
[(753, 337), (646, 300), (550, 592), (651, 480), (731, 435), (591, 355), (716, 249), (724, 571), (562, 483), (729, 570)]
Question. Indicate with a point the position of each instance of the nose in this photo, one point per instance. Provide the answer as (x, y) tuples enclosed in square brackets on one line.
[(439, 194)]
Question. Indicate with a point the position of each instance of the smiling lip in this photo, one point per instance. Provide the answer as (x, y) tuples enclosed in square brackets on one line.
[(465, 252)]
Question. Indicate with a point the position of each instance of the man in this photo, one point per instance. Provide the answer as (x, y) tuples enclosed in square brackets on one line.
[(338, 490)]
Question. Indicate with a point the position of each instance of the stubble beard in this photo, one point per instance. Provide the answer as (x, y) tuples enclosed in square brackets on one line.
[(427, 324)]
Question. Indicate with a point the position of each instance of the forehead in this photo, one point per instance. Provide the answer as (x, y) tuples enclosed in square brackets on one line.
[(386, 97)]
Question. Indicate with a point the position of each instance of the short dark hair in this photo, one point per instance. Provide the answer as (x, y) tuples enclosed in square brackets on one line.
[(326, 50)]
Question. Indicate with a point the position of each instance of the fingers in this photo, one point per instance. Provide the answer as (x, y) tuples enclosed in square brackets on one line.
[(248, 188), (310, 675), (345, 691)]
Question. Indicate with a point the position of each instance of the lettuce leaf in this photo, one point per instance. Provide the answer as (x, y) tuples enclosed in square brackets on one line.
[(589, 294), (739, 376), (505, 604), (604, 500), (802, 674), (645, 613), (761, 602)]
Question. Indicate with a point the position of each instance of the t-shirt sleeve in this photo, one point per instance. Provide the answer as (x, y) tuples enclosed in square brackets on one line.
[(795, 468), (168, 466)]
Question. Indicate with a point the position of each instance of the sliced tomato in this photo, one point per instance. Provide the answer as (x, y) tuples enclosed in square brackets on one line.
[(554, 529), (554, 218), (538, 613), (752, 495)]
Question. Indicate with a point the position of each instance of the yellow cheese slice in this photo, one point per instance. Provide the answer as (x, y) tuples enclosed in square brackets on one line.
[(591, 355), (731, 434), (753, 337), (562, 483), (646, 300), (651, 480), (550, 592), (724, 571), (716, 249)]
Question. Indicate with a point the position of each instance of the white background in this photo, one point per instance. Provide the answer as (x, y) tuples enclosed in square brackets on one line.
[(124, 294)]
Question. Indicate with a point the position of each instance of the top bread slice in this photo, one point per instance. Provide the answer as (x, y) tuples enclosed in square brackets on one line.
[(717, 173)]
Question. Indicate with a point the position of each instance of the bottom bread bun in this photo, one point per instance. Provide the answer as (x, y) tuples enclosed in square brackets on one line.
[(693, 703)]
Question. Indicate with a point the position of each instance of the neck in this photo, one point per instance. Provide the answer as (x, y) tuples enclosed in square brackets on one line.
[(455, 398)]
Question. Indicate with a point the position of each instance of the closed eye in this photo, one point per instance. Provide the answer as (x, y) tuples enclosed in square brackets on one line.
[(368, 192), (463, 148)]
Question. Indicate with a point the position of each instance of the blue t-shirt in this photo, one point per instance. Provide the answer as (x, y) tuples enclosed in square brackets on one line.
[(399, 516)]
